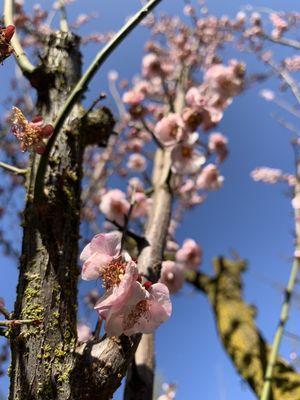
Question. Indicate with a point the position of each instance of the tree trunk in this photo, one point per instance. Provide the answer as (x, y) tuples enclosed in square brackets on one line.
[(43, 355)]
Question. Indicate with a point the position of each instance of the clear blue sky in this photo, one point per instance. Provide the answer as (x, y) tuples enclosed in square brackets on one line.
[(253, 218)]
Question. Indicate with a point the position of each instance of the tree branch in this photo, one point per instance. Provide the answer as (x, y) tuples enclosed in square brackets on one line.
[(240, 336), (287, 78), (284, 41), (82, 85), (13, 169), (19, 53)]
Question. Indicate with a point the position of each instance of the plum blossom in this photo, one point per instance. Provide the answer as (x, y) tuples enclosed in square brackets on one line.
[(142, 205), (103, 250), (114, 205), (296, 202), (125, 279), (217, 143), (6, 48), (169, 392), (210, 178), (292, 63), (133, 98), (267, 94), (280, 25), (137, 310), (30, 134), (169, 129), (172, 275), (84, 332), (189, 255), (151, 65), (137, 162), (185, 158), (267, 175)]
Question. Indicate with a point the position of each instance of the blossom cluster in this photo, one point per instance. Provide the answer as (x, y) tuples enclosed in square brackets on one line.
[(31, 135), (127, 306)]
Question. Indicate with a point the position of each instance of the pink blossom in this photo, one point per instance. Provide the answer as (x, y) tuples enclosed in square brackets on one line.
[(30, 134), (217, 143), (210, 178), (84, 332), (142, 205), (190, 254), (133, 97), (138, 310), (188, 10), (151, 65), (292, 63), (136, 184), (103, 249), (117, 294), (296, 202), (267, 94), (172, 275), (280, 25), (114, 205), (267, 175), (169, 129), (185, 158), (137, 162)]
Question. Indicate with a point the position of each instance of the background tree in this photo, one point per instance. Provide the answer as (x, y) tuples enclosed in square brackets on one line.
[(188, 86)]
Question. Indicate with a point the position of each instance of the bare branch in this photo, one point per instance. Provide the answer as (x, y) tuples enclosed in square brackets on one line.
[(11, 168), (284, 41), (20, 55), (287, 78)]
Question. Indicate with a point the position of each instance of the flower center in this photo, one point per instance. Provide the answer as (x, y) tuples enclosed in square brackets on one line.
[(140, 310), (113, 273), (186, 152)]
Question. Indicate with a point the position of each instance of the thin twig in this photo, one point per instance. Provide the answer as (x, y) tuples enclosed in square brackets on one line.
[(17, 322), (127, 217), (82, 85), (284, 313), (284, 41), (4, 312), (156, 140), (19, 53), (287, 78), (140, 240), (11, 168), (64, 27)]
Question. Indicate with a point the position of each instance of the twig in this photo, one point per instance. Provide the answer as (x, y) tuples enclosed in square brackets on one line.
[(140, 240), (284, 314), (19, 53), (284, 41), (287, 79), (4, 312), (11, 168), (64, 27), (82, 85), (146, 127), (127, 217), (17, 322), (94, 103)]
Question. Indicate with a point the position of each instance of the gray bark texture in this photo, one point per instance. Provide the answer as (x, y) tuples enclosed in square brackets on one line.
[(44, 360)]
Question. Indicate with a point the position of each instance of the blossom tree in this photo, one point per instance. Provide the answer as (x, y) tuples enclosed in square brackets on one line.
[(165, 152)]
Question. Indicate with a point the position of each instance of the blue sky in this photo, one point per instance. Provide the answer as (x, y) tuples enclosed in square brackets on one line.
[(253, 218)]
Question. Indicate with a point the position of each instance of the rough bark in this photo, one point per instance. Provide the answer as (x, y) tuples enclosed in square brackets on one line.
[(241, 338), (43, 355)]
